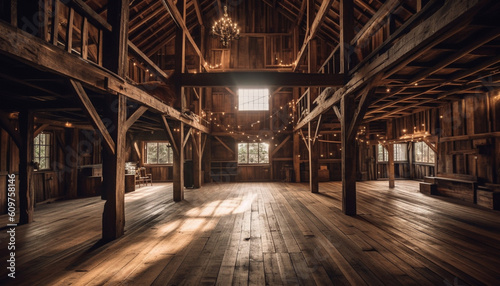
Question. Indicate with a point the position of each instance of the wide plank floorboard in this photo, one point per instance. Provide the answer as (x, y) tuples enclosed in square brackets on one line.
[(261, 234)]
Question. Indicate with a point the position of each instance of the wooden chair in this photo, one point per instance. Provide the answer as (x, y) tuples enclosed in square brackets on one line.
[(144, 177)]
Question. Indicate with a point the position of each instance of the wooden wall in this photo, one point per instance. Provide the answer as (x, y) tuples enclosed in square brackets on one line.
[(469, 138), (466, 134)]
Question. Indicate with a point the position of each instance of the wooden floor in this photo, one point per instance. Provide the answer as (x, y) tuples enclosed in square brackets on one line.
[(262, 233)]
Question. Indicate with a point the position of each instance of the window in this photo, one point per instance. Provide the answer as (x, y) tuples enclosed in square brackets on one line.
[(400, 154), (423, 153), (253, 153), (42, 151), (159, 153), (253, 99)]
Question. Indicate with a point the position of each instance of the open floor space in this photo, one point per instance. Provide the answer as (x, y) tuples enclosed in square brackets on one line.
[(262, 233)]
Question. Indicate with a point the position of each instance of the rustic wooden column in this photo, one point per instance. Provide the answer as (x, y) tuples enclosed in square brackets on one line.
[(116, 42), (348, 156), (113, 171), (26, 188), (178, 168), (296, 138), (116, 60), (296, 156), (346, 33), (313, 161), (71, 162), (197, 156), (390, 151)]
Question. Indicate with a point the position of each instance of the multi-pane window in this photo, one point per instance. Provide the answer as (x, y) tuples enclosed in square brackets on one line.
[(253, 153), (253, 99), (423, 153), (159, 153), (42, 151), (400, 154)]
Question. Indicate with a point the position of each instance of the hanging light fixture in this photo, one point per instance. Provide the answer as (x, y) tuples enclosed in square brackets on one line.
[(225, 29)]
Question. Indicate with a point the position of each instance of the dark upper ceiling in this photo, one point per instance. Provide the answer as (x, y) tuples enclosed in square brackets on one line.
[(151, 25)]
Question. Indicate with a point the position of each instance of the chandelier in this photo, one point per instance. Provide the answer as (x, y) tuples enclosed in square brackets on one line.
[(225, 30)]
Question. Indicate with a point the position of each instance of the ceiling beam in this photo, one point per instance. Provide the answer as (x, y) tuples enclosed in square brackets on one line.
[(44, 56), (323, 10), (198, 11), (409, 46), (276, 79), (178, 18)]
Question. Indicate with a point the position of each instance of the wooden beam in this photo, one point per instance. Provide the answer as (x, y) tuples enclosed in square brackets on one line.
[(178, 166), (69, 30), (169, 133), (13, 13), (115, 46), (376, 21), (332, 96), (39, 129), (55, 28), (186, 137), (390, 152), (84, 47), (337, 112), (322, 12), (94, 117), (280, 145), (138, 151), (296, 156), (346, 34), (429, 143), (197, 159), (272, 79), (360, 111), (198, 12), (70, 149), (90, 14), (414, 43), (9, 128), (136, 115), (313, 162), (113, 170), (348, 157), (304, 139), (479, 41), (26, 187), (154, 68), (224, 144), (155, 11), (317, 129), (45, 56), (179, 20)]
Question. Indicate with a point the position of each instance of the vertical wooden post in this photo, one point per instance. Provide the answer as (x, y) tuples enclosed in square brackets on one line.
[(178, 168), (390, 151), (180, 64), (313, 162), (348, 156), (296, 156), (197, 158), (85, 38), (26, 188), (13, 13), (55, 22), (116, 42), (346, 33), (296, 139), (113, 170), (71, 162), (69, 30)]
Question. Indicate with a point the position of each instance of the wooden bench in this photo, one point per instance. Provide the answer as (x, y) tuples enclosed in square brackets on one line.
[(461, 189), (488, 197)]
